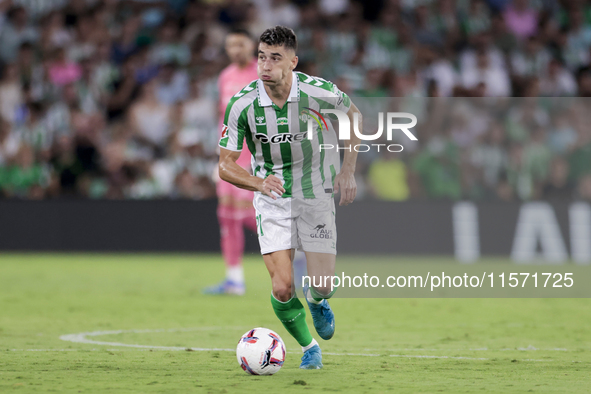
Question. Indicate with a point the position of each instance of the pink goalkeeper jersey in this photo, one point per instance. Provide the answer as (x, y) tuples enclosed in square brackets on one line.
[(232, 79)]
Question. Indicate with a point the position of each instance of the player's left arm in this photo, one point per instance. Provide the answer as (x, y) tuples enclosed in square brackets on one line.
[(345, 179)]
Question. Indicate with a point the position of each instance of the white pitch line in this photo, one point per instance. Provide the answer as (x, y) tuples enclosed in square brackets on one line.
[(48, 350), (83, 338)]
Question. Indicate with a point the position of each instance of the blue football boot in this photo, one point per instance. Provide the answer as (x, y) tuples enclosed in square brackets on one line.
[(312, 358), (226, 287), (322, 315)]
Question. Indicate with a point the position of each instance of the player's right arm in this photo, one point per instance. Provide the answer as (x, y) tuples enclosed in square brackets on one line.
[(231, 143), (238, 176)]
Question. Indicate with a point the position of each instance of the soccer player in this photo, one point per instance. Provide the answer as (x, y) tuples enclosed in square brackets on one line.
[(235, 210), (293, 178)]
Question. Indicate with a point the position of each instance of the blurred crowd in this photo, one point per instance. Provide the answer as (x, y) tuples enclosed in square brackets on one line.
[(118, 98)]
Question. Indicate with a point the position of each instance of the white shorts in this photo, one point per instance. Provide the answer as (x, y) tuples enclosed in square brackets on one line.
[(295, 223)]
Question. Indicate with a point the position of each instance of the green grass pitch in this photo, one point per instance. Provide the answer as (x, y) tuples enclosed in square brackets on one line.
[(394, 345)]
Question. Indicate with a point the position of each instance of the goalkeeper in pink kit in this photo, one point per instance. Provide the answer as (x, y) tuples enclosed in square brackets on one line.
[(235, 210)]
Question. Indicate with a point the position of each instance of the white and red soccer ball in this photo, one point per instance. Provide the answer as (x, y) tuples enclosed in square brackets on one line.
[(260, 352)]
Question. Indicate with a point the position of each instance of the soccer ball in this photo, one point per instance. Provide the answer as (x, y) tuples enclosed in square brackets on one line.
[(260, 352)]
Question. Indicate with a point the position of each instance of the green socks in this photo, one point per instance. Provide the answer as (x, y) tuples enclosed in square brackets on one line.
[(293, 316)]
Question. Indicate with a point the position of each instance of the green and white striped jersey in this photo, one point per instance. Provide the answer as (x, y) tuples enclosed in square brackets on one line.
[(277, 137)]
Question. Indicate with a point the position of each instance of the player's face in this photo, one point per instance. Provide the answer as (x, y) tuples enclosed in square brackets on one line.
[(275, 63), (239, 48)]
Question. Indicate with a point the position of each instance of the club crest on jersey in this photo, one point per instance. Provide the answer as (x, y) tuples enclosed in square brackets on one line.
[(260, 121), (224, 131), (308, 113)]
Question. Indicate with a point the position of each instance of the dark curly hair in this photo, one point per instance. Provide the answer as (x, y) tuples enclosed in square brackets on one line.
[(280, 35)]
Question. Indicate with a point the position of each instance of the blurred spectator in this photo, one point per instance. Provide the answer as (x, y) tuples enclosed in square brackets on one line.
[(188, 186), (115, 169), (482, 45), (425, 30), (558, 186), (333, 7), (279, 12), (151, 120), (32, 73), (438, 69), (536, 159), (62, 71), (169, 47), (532, 61), (521, 20), (579, 30), (563, 137), (494, 79), (198, 126), (579, 162), (584, 188), (124, 90), (518, 176), (502, 38), (524, 116), (87, 34), (490, 156), (11, 93), (202, 24), (466, 125), (16, 31), (438, 166), (66, 165), (21, 178), (172, 84), (557, 81), (478, 18), (584, 81), (56, 32), (126, 44), (33, 130)]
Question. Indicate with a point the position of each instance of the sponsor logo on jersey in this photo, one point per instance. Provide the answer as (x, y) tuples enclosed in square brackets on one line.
[(224, 131), (260, 121), (280, 138), (321, 232), (282, 121)]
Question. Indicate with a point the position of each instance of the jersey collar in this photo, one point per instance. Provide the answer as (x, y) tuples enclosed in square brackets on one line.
[(294, 93)]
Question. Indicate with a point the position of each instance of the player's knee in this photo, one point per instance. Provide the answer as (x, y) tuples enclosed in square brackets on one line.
[(282, 291)]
